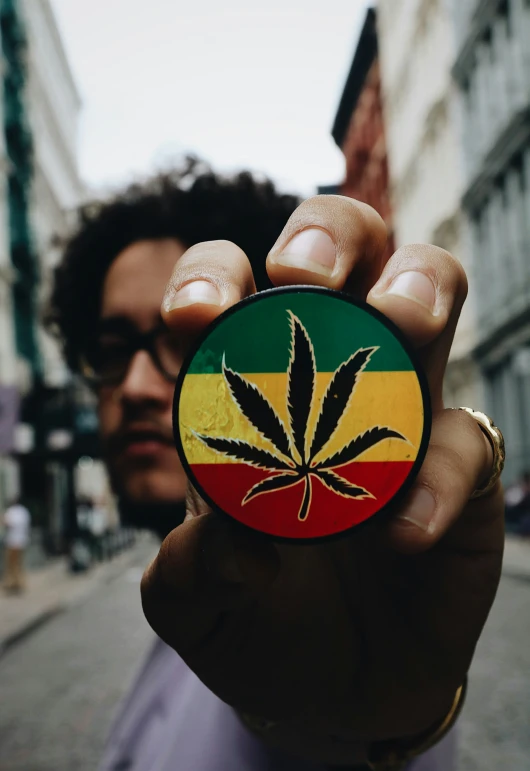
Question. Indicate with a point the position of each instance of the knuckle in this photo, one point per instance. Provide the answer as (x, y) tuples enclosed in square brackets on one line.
[(445, 472), (209, 248), (341, 204), (346, 219), (455, 275), (452, 460), (207, 254), (226, 268), (195, 504), (472, 435), (458, 450)]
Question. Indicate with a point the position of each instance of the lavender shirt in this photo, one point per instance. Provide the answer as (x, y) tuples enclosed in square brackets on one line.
[(170, 721)]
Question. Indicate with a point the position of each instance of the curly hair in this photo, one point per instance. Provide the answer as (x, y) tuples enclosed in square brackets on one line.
[(191, 204)]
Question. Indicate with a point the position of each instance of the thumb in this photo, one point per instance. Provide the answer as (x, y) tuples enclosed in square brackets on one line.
[(206, 568)]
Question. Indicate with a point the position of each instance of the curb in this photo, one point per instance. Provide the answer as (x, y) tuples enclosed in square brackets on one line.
[(31, 626), (47, 614)]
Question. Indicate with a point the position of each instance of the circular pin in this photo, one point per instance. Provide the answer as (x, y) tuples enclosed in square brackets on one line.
[(301, 413)]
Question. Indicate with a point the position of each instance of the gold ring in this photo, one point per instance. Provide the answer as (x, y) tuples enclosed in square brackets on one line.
[(496, 440)]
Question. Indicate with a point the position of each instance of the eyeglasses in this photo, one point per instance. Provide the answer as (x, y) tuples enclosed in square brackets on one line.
[(107, 361)]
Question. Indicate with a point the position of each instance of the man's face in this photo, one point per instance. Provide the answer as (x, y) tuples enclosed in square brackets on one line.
[(136, 414)]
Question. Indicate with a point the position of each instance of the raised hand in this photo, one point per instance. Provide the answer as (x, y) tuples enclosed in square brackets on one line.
[(365, 638)]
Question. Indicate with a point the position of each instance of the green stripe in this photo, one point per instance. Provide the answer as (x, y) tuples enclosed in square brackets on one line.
[(237, 337)]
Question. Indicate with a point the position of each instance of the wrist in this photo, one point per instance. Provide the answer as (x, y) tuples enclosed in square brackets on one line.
[(299, 738), (393, 755), (305, 739)]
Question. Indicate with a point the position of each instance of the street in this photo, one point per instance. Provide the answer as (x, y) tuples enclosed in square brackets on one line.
[(495, 723), (59, 687)]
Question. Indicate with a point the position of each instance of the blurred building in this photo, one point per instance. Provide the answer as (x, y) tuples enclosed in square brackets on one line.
[(9, 390), (18, 278), (53, 110), (358, 128), (420, 108), (492, 71), (56, 422)]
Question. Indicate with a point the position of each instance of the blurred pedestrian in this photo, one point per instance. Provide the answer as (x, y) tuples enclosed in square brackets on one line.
[(98, 527), (84, 508), (281, 657), (17, 523), (517, 501), (80, 551)]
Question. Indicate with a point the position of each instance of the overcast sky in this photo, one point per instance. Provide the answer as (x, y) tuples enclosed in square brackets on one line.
[(242, 83)]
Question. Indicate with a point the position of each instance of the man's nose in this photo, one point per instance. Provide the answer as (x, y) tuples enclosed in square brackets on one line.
[(143, 382)]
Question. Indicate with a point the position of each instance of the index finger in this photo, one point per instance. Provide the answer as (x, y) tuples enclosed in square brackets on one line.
[(208, 279)]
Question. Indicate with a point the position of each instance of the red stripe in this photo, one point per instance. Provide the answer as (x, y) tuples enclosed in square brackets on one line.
[(276, 513)]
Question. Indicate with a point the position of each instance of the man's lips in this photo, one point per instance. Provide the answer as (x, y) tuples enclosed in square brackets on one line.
[(141, 440)]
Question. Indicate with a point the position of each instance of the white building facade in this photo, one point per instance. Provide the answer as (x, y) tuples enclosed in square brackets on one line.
[(492, 72), (421, 117), (39, 193), (9, 375), (54, 105)]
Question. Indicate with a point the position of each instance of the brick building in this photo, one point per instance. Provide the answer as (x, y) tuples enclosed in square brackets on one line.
[(359, 128)]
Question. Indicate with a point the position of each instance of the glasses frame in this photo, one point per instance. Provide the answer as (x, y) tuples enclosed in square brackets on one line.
[(141, 341)]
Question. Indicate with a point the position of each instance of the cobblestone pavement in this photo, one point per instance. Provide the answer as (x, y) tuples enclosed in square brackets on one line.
[(59, 687)]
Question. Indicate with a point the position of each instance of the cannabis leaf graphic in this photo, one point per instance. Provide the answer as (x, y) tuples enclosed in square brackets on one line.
[(296, 459)]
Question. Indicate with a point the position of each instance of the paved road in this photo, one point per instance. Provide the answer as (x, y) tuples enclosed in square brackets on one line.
[(495, 724), (59, 687)]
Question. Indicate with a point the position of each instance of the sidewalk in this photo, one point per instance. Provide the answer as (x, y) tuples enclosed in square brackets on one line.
[(517, 557), (53, 589)]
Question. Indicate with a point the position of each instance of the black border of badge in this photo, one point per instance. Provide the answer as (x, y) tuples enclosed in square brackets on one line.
[(398, 334)]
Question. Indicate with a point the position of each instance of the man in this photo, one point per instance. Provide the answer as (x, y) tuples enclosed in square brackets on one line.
[(290, 657), (17, 523)]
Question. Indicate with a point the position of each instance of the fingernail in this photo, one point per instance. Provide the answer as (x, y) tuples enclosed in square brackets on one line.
[(311, 250), (419, 510), (414, 286), (196, 292)]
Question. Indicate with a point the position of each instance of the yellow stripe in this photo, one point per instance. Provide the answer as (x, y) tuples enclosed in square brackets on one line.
[(390, 399)]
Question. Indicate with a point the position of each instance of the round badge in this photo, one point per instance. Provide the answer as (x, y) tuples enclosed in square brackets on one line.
[(301, 413)]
